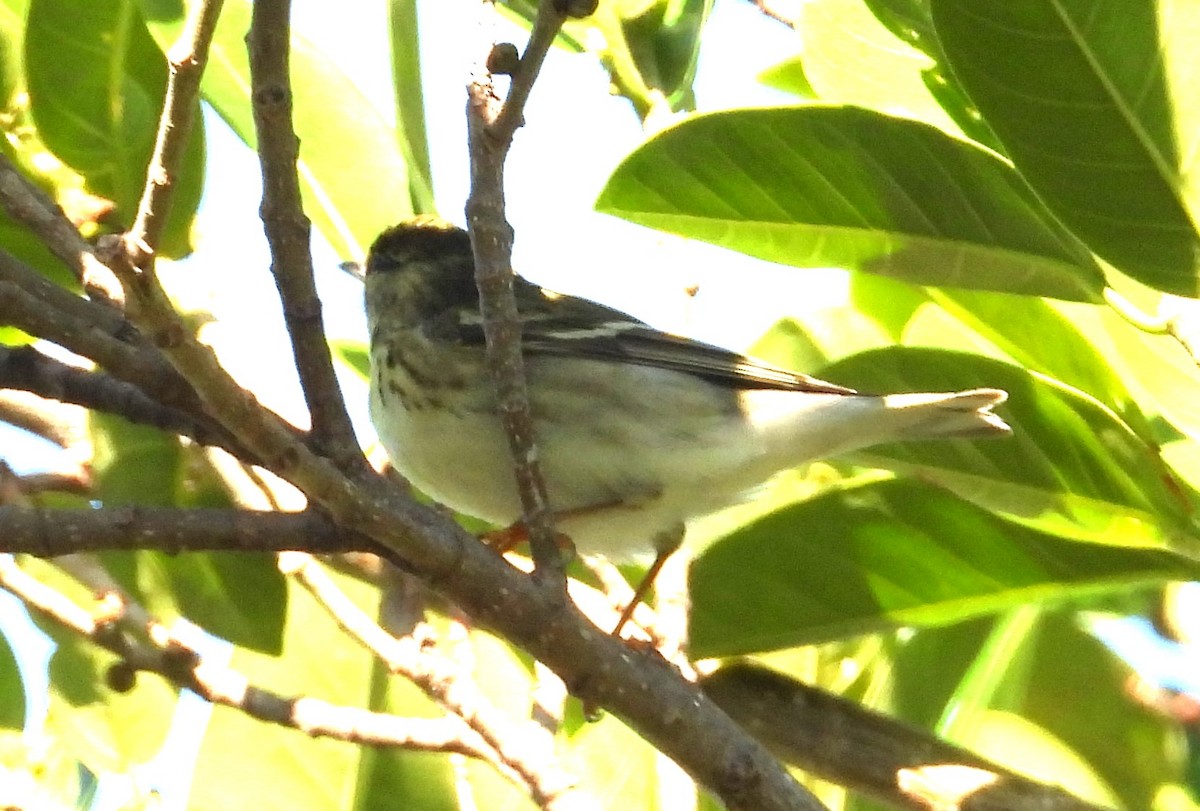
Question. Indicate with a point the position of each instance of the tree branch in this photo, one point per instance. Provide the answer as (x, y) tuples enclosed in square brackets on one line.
[(33, 304), (783, 11), (186, 61), (30, 206), (490, 128), (27, 369), (845, 743), (526, 749), (63, 424), (288, 232), (50, 533), (170, 657)]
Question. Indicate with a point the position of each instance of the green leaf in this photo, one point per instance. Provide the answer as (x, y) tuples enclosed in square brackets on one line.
[(15, 239), (896, 553), (410, 105), (12, 24), (12, 689), (662, 38), (237, 596), (1071, 467), (852, 58), (96, 87), (1096, 106), (818, 186), (789, 76), (133, 464), (910, 22), (104, 728), (997, 672), (245, 763), (354, 354)]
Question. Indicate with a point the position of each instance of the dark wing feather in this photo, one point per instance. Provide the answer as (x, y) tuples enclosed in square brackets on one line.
[(574, 327)]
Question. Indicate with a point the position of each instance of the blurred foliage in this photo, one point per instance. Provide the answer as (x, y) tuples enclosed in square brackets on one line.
[(1014, 194)]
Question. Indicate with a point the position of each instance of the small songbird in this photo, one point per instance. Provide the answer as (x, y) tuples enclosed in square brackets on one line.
[(638, 430)]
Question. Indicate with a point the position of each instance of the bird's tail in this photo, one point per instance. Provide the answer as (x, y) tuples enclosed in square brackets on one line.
[(953, 414)]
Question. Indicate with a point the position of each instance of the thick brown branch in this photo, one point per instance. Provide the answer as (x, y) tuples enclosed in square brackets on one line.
[(288, 231), (50, 533), (27, 369), (841, 741), (39, 307)]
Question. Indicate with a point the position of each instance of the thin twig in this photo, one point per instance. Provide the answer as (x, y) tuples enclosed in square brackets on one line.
[(63, 424), (490, 128), (179, 663), (525, 748), (783, 11), (43, 599), (288, 232), (74, 479), (186, 61), (30, 206)]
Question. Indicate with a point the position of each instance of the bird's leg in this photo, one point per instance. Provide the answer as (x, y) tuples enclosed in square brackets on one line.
[(507, 539), (666, 544)]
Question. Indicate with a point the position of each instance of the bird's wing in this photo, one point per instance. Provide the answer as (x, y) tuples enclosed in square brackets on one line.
[(573, 327)]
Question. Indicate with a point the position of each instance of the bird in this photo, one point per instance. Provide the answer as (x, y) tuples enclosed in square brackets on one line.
[(638, 430)]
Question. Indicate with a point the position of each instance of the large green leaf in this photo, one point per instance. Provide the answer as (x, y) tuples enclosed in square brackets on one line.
[(96, 84), (237, 596), (818, 186), (1070, 468), (895, 553), (852, 58), (659, 39), (1096, 103), (248, 764)]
